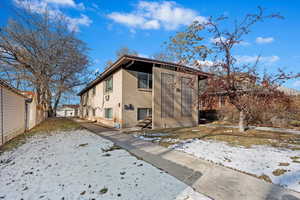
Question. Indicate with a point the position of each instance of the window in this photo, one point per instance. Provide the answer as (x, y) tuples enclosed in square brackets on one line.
[(109, 84), (108, 113), (94, 90), (186, 97), (142, 113), (222, 101), (87, 97), (167, 95), (94, 112), (144, 80)]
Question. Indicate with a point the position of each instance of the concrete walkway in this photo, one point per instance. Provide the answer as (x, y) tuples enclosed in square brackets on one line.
[(212, 180), (278, 130)]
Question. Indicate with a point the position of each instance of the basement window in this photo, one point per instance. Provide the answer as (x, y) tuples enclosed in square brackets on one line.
[(144, 80), (143, 113), (108, 113)]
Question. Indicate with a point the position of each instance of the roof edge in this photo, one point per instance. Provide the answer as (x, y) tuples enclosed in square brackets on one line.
[(11, 88), (137, 58)]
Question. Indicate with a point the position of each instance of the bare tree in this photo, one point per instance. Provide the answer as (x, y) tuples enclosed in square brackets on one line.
[(125, 51), (121, 52), (240, 82), (39, 50)]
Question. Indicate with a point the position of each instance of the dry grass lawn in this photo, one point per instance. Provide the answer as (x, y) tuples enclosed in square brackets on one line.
[(46, 127), (230, 135)]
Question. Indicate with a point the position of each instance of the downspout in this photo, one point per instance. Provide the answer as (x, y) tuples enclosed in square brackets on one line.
[(2, 115)]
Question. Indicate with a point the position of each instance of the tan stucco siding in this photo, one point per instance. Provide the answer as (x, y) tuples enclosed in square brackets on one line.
[(178, 119), (13, 114), (138, 98), (102, 100)]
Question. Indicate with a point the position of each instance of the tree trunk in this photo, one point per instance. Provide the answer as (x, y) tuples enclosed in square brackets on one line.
[(50, 112), (56, 103), (242, 126)]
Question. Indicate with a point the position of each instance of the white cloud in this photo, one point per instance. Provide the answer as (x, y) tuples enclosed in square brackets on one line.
[(223, 39), (218, 40), (40, 6), (262, 59), (206, 63), (243, 43), (297, 84), (74, 23), (143, 55), (62, 2), (127, 19), (262, 40), (154, 15)]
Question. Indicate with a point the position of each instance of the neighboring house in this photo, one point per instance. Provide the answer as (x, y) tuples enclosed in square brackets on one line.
[(289, 91), (13, 117), (135, 88), (70, 110), (35, 112)]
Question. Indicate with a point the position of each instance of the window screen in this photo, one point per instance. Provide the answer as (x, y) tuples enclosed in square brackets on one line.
[(109, 84), (186, 97), (108, 113), (144, 80), (143, 113), (167, 95), (94, 90)]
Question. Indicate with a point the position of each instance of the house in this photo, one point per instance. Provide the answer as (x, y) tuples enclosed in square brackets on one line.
[(35, 112), (133, 89), (13, 116), (67, 110), (289, 91)]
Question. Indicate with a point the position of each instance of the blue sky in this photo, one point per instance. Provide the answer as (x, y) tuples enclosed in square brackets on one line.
[(107, 25)]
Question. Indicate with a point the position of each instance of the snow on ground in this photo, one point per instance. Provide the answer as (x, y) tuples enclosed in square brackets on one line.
[(75, 165), (257, 160)]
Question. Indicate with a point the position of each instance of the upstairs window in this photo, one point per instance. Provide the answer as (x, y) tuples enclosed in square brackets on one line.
[(144, 80), (109, 84), (94, 90)]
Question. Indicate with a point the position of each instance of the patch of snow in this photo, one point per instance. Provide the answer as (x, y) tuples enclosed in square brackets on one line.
[(73, 165), (257, 160), (156, 137), (152, 139), (170, 140)]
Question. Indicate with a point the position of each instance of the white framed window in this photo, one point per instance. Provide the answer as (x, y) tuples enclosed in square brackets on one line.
[(109, 84), (108, 113), (144, 80), (143, 113)]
